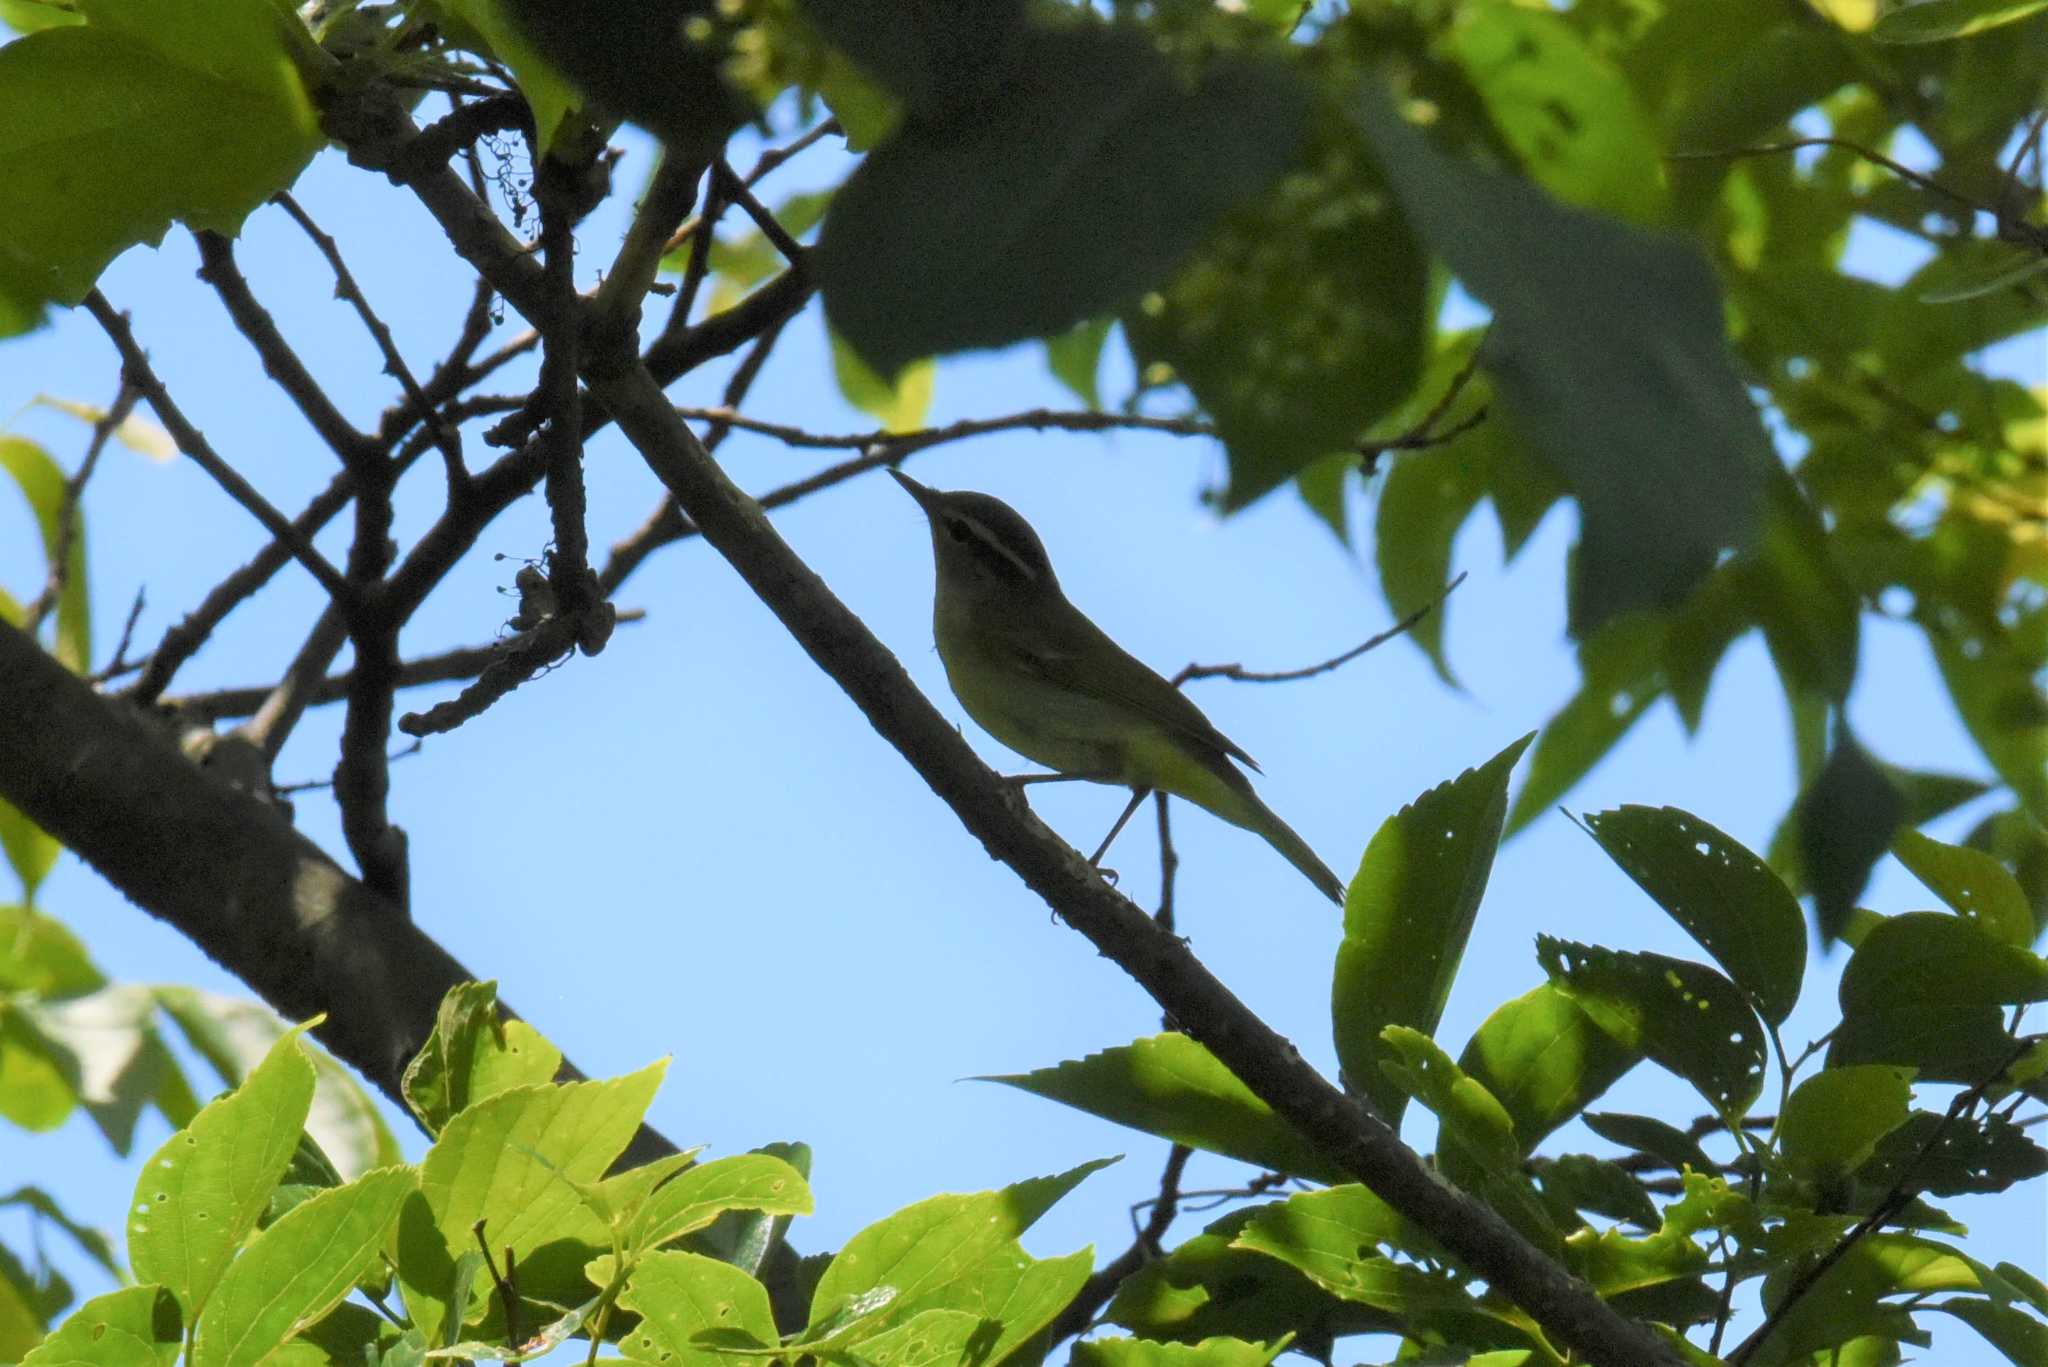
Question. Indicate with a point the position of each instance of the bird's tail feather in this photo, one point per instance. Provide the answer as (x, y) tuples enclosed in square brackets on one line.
[(1260, 818)]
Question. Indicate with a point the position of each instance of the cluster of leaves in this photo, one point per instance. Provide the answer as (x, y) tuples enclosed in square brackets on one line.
[(1823, 1204), (514, 1234)]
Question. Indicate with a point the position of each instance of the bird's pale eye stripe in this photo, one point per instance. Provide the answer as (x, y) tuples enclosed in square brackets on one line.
[(987, 543)]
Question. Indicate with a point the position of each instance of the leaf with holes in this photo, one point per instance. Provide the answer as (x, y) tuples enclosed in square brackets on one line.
[(1975, 885), (1726, 898), (1686, 1017)]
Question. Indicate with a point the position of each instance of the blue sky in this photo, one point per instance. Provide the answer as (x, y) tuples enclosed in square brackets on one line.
[(694, 846)]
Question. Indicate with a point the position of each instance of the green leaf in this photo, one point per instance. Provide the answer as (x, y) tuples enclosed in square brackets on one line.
[(1020, 1293), (1569, 116), (1723, 896), (1170, 1086), (1407, 918), (1116, 163), (753, 1181), (900, 405), (1209, 1287), (1218, 1352), (1647, 1134), (1424, 500), (1544, 1060), (1684, 1016), (202, 1193), (1075, 359), (232, 1034), (473, 1054), (1833, 1120), (1929, 958), (929, 1254), (1322, 484), (1941, 1042), (1301, 320), (1844, 1303), (1976, 886), (1637, 406), (927, 1339), (1576, 1181), (2012, 1331), (937, 59), (1847, 816), (1934, 21), (29, 849), (1618, 669), (1991, 681), (152, 111), (43, 484), (645, 62), (1335, 1237), (42, 958), (119, 1063), (300, 1268), (690, 1306), (137, 1326), (1934, 1155), (27, 16), (36, 1087), (518, 1162)]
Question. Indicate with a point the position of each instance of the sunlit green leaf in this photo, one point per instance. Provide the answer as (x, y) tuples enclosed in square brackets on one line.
[(1544, 1059), (683, 1298), (137, 1326), (1833, 1120), (474, 1053), (1408, 915), (1171, 1086), (1726, 898), (1933, 21), (1976, 886)]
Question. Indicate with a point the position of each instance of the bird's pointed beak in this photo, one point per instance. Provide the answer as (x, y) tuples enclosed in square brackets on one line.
[(925, 497)]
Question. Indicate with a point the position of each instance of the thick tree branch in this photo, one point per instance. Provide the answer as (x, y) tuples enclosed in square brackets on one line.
[(223, 868)]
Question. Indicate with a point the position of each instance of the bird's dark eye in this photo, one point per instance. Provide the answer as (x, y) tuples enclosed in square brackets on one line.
[(958, 529)]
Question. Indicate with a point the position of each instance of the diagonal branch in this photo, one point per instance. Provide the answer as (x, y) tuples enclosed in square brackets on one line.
[(135, 366), (223, 868)]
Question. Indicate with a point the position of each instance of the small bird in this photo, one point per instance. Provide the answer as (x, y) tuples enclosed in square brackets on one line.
[(1036, 674)]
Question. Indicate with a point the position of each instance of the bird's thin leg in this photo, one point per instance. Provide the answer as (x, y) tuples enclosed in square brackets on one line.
[(1138, 796), (1026, 780)]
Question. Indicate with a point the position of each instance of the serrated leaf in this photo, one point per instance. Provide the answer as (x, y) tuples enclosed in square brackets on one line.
[(1722, 895), (1934, 1155), (1975, 885), (752, 1181), (1658, 438), (1335, 1237), (514, 1162), (1116, 163), (232, 1034), (297, 1270), (1833, 1120), (202, 1193), (1542, 1057), (473, 1054), (1686, 1017), (137, 1326), (1208, 1287), (1170, 1086), (1407, 918), (927, 1254)]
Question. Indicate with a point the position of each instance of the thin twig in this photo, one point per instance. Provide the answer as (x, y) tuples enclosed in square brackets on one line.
[(733, 191), (899, 444), (119, 664), (103, 429), (445, 437), (1103, 1283), (135, 366), (449, 666), (281, 363), (615, 308), (1239, 674)]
